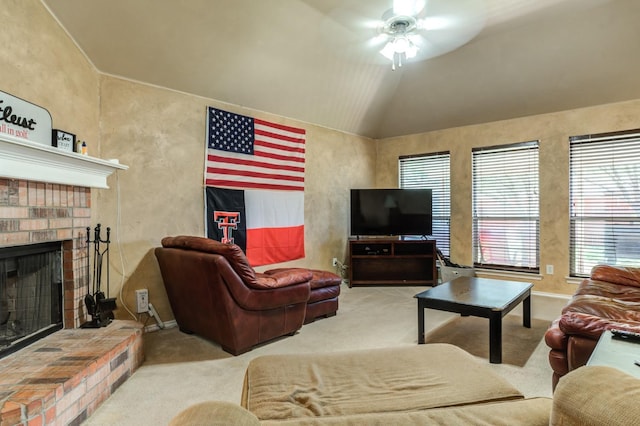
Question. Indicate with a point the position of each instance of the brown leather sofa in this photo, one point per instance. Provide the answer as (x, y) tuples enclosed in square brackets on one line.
[(214, 293), (609, 299)]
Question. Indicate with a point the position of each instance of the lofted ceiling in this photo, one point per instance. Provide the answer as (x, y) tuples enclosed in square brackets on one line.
[(309, 59)]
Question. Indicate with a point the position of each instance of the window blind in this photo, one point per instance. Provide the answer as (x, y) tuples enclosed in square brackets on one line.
[(431, 171), (505, 207), (604, 201)]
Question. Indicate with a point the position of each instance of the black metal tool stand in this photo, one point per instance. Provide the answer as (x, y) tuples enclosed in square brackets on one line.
[(98, 305)]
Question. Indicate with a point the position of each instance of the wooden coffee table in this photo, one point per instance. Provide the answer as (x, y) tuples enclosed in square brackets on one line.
[(479, 297)]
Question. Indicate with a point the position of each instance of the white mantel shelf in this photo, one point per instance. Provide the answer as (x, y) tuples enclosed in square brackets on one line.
[(27, 160)]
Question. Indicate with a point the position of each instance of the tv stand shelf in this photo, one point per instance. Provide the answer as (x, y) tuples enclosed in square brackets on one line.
[(374, 261)]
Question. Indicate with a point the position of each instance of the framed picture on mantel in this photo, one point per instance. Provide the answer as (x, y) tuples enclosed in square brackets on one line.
[(63, 140)]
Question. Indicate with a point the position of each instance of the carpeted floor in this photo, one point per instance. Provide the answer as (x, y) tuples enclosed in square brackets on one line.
[(472, 335), (181, 370)]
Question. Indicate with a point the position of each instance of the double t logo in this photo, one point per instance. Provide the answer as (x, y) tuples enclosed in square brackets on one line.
[(227, 222)]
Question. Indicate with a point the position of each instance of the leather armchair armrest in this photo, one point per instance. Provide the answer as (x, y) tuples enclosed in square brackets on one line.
[(261, 299)]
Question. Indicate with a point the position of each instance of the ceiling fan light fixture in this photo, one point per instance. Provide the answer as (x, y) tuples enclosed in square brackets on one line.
[(398, 29), (388, 51), (398, 49)]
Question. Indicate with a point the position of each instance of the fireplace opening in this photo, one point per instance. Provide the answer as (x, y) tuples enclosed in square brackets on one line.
[(30, 294)]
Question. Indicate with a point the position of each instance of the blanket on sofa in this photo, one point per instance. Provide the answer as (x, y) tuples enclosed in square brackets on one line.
[(279, 387)]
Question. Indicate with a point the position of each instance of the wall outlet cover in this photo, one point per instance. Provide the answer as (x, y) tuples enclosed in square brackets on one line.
[(142, 300)]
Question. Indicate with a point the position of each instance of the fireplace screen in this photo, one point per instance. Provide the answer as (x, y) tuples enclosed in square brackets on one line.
[(30, 294)]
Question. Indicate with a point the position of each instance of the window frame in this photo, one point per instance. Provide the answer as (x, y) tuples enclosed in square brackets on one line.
[(618, 214), (497, 197)]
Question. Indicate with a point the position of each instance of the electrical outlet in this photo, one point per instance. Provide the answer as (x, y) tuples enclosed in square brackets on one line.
[(334, 262), (549, 269), (142, 300)]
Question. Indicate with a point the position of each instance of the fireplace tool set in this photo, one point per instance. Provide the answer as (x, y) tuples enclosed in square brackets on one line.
[(98, 305)]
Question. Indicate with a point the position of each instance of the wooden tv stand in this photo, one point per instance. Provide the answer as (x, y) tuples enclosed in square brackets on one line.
[(377, 261)]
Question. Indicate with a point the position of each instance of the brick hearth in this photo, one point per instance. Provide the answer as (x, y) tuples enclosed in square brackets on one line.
[(62, 378)]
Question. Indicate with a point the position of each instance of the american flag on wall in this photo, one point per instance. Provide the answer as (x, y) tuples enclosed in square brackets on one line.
[(254, 179)]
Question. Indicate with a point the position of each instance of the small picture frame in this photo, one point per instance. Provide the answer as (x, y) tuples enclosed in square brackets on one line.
[(63, 140)]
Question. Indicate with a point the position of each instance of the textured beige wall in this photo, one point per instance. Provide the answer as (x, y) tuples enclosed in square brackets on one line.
[(553, 132), (160, 135), (40, 64)]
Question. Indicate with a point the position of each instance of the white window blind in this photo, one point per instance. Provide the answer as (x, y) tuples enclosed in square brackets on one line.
[(431, 171), (506, 208), (604, 201)]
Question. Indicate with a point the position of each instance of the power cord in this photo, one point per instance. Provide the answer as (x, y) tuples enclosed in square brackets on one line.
[(122, 264), (341, 268)]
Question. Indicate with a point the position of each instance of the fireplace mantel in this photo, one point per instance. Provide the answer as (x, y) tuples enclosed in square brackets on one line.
[(21, 159)]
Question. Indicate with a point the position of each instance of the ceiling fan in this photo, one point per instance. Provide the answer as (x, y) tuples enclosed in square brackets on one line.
[(414, 29)]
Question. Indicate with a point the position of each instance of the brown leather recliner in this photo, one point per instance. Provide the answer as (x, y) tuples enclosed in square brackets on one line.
[(609, 299), (214, 293)]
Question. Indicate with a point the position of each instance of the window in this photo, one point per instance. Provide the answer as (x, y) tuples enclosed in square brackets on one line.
[(506, 218), (431, 171), (604, 200)]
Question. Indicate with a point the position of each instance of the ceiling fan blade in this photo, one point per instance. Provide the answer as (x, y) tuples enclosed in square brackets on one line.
[(448, 25), (408, 7), (352, 27)]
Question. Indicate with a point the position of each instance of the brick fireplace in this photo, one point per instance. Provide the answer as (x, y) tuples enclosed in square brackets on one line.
[(63, 377), (36, 212)]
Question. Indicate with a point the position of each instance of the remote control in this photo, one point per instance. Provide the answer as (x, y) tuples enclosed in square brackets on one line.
[(626, 335)]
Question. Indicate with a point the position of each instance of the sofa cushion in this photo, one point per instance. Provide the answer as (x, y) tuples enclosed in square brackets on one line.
[(279, 387), (596, 395), (608, 290), (591, 326), (617, 275), (524, 412), (282, 279), (319, 279), (604, 307)]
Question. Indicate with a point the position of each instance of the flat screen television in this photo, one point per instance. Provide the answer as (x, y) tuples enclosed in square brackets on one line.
[(379, 212)]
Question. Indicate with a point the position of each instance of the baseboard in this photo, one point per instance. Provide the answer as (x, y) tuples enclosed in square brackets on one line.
[(156, 327), (547, 306)]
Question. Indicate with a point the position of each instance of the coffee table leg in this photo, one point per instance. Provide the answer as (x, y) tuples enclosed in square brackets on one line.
[(495, 338), (526, 312), (420, 322)]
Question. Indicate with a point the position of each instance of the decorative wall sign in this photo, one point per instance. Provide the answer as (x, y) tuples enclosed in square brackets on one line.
[(63, 140), (20, 119)]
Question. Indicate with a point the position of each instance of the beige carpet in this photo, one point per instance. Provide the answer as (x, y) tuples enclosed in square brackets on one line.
[(171, 345), (472, 335), (181, 370)]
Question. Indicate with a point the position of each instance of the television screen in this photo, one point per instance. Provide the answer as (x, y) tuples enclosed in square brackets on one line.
[(391, 212)]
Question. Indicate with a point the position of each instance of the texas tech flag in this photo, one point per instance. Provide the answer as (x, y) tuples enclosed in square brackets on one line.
[(254, 179), (267, 225)]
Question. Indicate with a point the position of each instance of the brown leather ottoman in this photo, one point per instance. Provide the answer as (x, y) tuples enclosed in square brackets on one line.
[(323, 300)]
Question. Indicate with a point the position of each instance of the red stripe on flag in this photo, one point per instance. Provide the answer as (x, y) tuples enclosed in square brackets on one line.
[(238, 161), (250, 185), (272, 145), (266, 246), (280, 126), (274, 156), (278, 136), (248, 173)]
